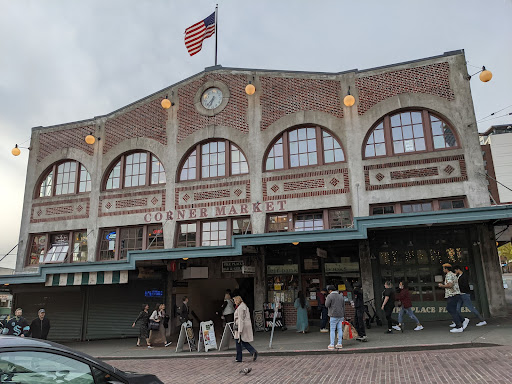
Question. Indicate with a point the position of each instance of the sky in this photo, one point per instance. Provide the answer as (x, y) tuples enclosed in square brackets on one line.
[(64, 61)]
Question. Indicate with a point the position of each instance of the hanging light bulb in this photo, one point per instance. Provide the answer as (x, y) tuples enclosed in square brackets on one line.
[(485, 75), (166, 103), (349, 100), (250, 89), (16, 151), (90, 139)]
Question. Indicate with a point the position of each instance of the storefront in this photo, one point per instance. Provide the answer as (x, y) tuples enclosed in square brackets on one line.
[(97, 308), (416, 256), (309, 267)]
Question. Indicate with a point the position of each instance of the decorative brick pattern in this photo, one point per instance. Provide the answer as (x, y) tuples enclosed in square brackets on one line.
[(274, 188), (449, 169), (208, 195), (427, 172), (233, 115), (304, 186), (238, 192), (62, 210), (186, 197), (64, 138), (147, 120), (132, 203), (154, 200), (432, 79), (410, 173), (219, 194), (379, 176), (59, 210), (283, 96), (128, 202)]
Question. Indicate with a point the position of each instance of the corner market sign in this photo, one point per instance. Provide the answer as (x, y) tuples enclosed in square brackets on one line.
[(214, 212)]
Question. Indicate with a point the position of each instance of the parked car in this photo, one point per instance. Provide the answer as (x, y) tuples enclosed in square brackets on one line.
[(33, 361)]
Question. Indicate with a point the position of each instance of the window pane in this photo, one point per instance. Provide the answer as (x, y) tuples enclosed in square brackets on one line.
[(114, 177), (43, 368), (188, 171), (66, 176), (238, 162), (278, 223), (380, 149), (157, 171), (135, 170), (80, 249)]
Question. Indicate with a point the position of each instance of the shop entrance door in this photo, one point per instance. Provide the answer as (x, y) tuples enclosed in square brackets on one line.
[(311, 286)]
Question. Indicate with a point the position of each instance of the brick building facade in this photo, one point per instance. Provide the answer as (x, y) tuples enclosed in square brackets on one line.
[(281, 191)]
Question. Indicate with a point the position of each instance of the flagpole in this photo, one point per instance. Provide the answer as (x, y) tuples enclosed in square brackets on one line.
[(216, 30)]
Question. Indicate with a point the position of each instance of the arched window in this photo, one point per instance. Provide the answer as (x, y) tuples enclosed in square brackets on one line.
[(135, 169), (64, 178), (218, 158), (302, 147), (409, 132)]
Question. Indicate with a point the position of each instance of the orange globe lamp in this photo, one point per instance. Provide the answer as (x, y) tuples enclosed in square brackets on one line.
[(16, 151), (250, 89), (349, 100), (485, 76), (90, 139), (166, 103)]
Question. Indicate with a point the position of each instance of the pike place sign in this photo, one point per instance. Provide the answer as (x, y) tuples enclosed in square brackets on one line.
[(215, 212)]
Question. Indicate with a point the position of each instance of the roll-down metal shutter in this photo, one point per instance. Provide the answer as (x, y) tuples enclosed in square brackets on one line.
[(111, 309), (63, 309)]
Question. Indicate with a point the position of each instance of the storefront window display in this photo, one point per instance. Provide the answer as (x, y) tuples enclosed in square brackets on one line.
[(282, 277), (342, 269), (80, 246), (416, 256)]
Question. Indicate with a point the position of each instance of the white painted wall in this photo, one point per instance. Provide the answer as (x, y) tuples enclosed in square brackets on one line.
[(501, 148)]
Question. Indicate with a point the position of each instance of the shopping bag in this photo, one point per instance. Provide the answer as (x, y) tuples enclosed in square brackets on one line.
[(349, 332)]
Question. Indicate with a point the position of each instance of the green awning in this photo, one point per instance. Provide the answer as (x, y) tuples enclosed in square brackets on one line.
[(87, 278)]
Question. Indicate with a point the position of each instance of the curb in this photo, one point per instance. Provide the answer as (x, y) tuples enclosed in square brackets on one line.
[(408, 348)]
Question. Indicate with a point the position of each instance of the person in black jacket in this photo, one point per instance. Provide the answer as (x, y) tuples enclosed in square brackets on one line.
[(359, 307), (465, 295), (184, 312), (40, 327)]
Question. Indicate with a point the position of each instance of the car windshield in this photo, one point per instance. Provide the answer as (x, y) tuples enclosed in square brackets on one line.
[(29, 367)]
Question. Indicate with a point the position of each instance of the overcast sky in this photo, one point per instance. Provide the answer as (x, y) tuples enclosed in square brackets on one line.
[(63, 60)]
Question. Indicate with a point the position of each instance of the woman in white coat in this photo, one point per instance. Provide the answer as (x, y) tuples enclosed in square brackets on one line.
[(243, 330)]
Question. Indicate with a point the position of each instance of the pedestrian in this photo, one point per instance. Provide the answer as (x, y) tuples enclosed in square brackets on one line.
[(465, 295), (143, 318), (388, 304), (323, 310), (359, 309), (404, 296), (16, 325), (452, 296), (335, 304), (157, 336), (228, 307), (40, 327), (243, 330), (164, 323), (184, 311), (302, 307)]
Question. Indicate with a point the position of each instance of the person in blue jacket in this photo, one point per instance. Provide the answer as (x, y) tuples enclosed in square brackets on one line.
[(16, 325)]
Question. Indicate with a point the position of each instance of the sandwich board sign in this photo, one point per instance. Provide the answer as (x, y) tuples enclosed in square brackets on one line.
[(207, 338), (227, 336), (186, 334)]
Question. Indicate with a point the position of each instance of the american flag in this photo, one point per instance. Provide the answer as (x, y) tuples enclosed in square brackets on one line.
[(195, 34)]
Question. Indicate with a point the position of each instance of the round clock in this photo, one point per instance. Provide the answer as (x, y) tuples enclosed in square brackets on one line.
[(211, 98)]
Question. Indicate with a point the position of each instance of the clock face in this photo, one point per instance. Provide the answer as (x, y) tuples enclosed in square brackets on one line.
[(211, 98)]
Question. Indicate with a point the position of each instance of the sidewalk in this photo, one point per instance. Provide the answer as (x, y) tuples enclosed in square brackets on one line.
[(436, 335)]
